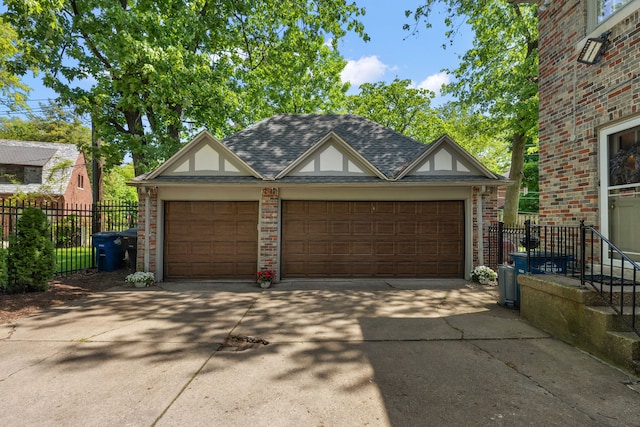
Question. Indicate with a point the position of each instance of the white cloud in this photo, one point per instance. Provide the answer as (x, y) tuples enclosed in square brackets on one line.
[(434, 82), (368, 69)]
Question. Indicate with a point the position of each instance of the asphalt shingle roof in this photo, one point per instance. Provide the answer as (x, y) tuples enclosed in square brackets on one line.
[(272, 144), (38, 154)]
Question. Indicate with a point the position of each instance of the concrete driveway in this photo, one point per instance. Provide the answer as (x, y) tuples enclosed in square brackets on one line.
[(378, 353)]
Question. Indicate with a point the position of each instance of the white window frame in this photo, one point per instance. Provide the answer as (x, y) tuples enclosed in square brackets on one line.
[(594, 29), (603, 143)]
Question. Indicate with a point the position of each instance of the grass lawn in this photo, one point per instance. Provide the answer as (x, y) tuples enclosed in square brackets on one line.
[(69, 259)]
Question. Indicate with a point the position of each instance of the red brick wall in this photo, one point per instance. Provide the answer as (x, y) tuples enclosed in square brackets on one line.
[(268, 234), (489, 216), (75, 194), (152, 204), (576, 100)]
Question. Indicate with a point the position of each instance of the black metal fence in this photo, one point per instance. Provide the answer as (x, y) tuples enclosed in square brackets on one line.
[(72, 228), (578, 251)]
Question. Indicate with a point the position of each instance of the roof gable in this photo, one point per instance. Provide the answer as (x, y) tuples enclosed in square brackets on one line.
[(331, 156), (446, 157), (204, 156)]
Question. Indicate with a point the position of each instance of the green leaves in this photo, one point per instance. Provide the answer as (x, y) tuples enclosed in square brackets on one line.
[(144, 69)]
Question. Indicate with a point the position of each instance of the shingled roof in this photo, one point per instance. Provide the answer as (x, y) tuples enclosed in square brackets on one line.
[(272, 144), (291, 148), (47, 155)]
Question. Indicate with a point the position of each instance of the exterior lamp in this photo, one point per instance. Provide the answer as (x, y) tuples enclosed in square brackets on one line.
[(594, 48)]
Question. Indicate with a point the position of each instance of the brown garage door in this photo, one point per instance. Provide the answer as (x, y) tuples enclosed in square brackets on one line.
[(373, 239), (210, 240)]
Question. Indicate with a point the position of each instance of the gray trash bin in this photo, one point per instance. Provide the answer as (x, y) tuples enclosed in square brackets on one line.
[(508, 289)]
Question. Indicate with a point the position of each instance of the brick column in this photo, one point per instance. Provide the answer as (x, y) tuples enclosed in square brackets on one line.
[(268, 232), (147, 255)]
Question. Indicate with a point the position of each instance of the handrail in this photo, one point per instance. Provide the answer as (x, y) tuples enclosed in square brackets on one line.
[(610, 280), (576, 251)]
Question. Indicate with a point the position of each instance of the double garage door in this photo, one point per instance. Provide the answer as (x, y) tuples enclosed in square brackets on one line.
[(218, 240)]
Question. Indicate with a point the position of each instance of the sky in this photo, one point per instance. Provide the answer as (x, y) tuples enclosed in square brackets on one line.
[(394, 52), (391, 53)]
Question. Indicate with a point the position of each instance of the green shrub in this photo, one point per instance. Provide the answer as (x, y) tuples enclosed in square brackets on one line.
[(31, 257), (3, 268)]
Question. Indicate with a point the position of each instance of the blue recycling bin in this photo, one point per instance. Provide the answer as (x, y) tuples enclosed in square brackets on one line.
[(109, 250), (541, 262)]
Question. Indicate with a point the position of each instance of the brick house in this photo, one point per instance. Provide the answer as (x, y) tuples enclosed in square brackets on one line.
[(53, 172), (315, 196), (590, 118)]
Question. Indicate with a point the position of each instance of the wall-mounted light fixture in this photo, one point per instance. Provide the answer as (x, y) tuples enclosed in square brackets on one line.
[(594, 48)]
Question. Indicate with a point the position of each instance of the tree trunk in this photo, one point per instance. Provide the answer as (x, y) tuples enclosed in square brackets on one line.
[(515, 174)]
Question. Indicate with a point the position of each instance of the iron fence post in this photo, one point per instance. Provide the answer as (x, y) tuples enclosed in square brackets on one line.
[(500, 243), (583, 252), (527, 240)]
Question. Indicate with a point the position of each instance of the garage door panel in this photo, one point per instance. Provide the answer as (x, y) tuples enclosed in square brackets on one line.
[(340, 248), (368, 239), (408, 228), (406, 249), (362, 248), (319, 227), (384, 228), (319, 248), (340, 227), (210, 240)]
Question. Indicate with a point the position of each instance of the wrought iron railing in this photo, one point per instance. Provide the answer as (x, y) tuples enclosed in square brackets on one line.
[(578, 251), (72, 228)]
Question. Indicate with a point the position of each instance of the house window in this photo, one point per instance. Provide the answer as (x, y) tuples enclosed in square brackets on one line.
[(11, 174), (80, 181), (599, 11), (620, 184), (606, 8)]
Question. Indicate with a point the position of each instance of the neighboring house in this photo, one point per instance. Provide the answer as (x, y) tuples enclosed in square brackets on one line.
[(590, 118), (315, 196), (52, 172)]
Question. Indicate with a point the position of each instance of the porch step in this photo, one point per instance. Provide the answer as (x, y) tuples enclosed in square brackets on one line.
[(605, 318), (617, 342), (625, 350)]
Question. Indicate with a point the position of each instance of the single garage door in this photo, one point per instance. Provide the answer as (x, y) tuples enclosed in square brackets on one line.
[(373, 239), (210, 240)]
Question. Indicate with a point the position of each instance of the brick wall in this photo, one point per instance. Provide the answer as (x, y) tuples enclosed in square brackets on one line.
[(489, 216), (575, 101), (268, 232), (152, 195)]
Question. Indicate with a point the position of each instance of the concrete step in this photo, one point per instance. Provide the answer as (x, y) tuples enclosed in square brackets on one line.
[(604, 318), (624, 350)]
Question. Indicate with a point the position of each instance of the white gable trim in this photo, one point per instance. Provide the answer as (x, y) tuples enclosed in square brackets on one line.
[(445, 157), (331, 156), (204, 155)]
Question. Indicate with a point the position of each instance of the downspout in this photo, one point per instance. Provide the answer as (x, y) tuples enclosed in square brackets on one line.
[(147, 227)]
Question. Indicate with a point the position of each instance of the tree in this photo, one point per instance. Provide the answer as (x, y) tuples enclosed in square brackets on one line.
[(55, 124), (115, 184), (408, 110), (398, 106), (498, 76), (154, 66), (14, 92), (530, 202)]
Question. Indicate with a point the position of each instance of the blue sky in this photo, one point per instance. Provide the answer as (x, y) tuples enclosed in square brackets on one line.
[(392, 52)]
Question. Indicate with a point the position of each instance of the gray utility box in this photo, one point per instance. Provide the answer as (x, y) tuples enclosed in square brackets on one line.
[(509, 291)]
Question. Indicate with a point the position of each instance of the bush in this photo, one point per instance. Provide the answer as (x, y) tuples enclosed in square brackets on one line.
[(3, 268), (31, 256)]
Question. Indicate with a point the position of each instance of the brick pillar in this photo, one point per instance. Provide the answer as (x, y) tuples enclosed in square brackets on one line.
[(148, 199), (268, 233)]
